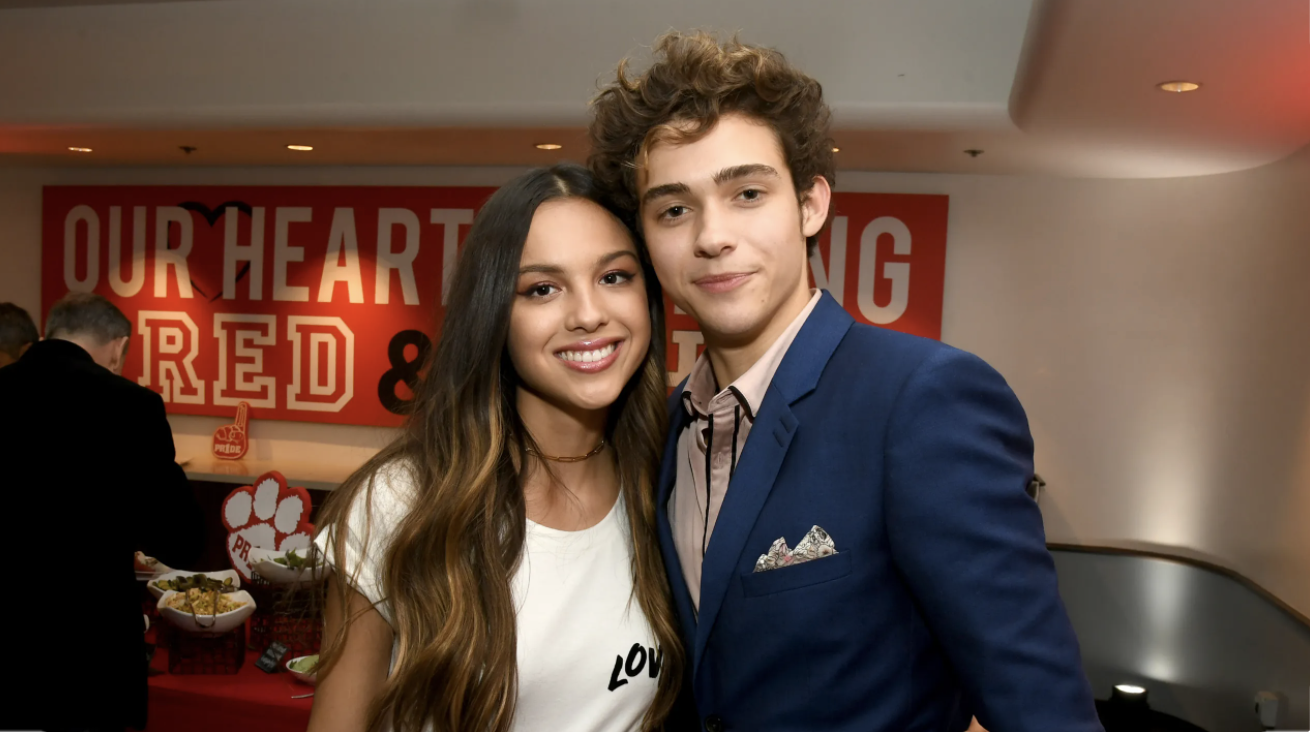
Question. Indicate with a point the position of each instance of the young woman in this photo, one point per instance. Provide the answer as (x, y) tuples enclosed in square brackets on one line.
[(497, 567)]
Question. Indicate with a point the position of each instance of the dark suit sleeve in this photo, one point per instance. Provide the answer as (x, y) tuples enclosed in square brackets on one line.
[(969, 542), (170, 527)]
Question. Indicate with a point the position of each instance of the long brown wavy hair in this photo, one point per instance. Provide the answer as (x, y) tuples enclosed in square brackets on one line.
[(696, 79), (446, 574)]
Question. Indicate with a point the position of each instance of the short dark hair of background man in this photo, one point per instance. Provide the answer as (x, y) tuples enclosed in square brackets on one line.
[(17, 332), (94, 323)]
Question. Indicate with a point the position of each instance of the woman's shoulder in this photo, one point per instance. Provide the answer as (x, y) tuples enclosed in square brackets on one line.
[(380, 502), (388, 491)]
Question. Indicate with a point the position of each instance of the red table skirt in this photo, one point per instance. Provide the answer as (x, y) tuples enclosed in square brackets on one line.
[(247, 700)]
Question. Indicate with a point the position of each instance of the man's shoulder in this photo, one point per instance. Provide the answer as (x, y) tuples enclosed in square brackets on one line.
[(872, 360), (128, 398), (132, 390), (882, 348), (122, 390)]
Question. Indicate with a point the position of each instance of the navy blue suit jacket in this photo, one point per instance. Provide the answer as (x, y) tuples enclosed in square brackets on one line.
[(942, 598)]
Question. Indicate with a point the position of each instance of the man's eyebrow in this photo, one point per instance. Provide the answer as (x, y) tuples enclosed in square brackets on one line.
[(727, 174), (668, 189), (744, 171)]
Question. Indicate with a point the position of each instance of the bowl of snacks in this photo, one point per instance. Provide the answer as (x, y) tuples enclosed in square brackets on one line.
[(210, 607), (181, 580), (304, 668), (148, 568), (295, 566)]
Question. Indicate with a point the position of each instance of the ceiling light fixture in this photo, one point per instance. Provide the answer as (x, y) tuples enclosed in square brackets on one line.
[(300, 148), (80, 149), (1178, 86), (836, 149), (548, 146)]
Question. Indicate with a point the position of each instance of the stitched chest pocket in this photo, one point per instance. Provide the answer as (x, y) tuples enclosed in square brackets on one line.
[(809, 573)]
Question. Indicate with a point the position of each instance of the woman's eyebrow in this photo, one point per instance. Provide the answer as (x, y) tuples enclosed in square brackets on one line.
[(556, 270), (616, 254), (550, 269)]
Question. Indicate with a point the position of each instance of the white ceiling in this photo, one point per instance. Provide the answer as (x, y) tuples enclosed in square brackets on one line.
[(7, 4), (1061, 87)]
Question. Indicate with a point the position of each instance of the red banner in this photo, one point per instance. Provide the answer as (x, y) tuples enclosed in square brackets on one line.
[(314, 303)]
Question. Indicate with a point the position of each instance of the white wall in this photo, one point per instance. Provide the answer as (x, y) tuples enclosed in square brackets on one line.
[(1154, 330)]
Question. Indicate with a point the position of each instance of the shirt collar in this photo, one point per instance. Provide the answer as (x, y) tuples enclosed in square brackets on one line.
[(749, 388)]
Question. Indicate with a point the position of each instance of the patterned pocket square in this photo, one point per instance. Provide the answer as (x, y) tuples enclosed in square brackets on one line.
[(816, 545)]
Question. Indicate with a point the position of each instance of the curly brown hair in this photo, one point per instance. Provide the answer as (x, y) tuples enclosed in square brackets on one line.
[(695, 80)]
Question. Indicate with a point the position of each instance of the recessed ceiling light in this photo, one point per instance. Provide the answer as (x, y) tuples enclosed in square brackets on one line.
[(1130, 689), (1179, 86), (836, 149), (548, 146), (300, 148), (80, 149)]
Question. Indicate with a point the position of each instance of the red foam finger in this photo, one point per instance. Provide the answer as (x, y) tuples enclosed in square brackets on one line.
[(230, 441)]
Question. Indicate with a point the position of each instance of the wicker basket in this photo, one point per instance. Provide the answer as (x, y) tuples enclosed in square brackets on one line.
[(192, 653), (285, 615)]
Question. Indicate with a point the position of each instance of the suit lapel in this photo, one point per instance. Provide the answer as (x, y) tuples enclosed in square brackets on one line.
[(678, 419), (766, 448)]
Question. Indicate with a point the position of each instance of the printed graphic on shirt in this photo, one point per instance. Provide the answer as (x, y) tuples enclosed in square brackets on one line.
[(639, 658)]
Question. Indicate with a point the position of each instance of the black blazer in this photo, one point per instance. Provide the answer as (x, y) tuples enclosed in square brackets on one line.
[(87, 473)]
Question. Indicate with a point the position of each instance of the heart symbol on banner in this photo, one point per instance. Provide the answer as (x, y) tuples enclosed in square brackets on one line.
[(206, 260)]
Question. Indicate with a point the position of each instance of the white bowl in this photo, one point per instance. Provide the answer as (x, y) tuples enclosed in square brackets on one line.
[(261, 560), (310, 678), (208, 624), (157, 593)]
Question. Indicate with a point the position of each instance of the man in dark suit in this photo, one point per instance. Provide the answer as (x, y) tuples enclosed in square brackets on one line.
[(17, 333), (842, 508), (89, 478)]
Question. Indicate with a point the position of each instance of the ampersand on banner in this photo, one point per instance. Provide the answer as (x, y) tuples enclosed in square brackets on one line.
[(403, 369), (267, 515)]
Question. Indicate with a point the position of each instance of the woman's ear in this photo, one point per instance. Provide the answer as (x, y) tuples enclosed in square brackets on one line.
[(814, 206)]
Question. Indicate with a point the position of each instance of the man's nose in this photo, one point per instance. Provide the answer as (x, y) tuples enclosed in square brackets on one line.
[(713, 234)]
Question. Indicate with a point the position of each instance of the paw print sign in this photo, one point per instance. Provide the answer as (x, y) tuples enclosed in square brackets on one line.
[(267, 515)]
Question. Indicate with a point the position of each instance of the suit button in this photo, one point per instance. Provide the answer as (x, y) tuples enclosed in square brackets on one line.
[(714, 723)]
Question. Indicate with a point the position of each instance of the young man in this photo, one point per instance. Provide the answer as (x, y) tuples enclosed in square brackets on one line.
[(919, 587)]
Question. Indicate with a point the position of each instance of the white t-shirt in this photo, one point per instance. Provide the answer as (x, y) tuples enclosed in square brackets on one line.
[(587, 658)]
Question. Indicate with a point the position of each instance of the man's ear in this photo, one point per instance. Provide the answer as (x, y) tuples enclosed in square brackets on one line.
[(814, 206), (118, 354)]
